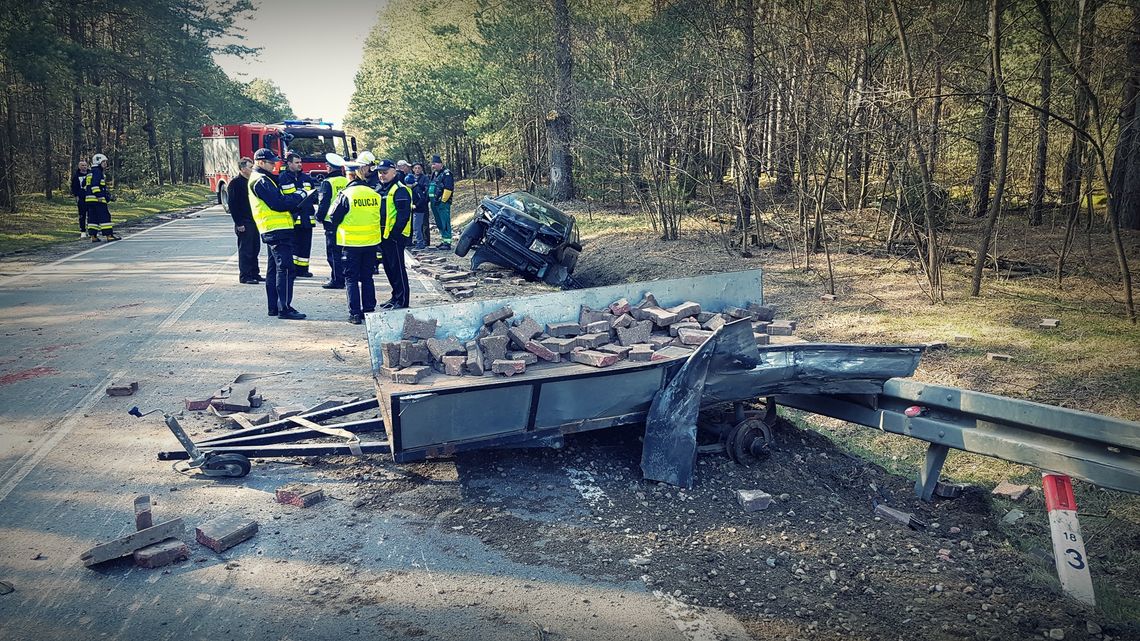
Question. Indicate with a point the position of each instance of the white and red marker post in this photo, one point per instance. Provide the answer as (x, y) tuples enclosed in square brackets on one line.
[(1068, 546)]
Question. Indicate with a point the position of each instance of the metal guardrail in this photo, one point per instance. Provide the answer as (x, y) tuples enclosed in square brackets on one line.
[(1091, 447)]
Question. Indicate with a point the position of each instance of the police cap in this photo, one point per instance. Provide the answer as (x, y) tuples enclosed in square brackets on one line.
[(385, 164), (265, 154)]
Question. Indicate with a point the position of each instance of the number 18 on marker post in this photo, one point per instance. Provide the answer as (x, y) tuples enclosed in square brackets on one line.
[(1068, 546)]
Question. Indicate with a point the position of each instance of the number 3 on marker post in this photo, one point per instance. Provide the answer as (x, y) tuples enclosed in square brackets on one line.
[(1068, 546)]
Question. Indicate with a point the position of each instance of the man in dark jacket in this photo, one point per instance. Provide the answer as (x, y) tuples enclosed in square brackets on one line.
[(421, 223), (249, 245), (79, 190)]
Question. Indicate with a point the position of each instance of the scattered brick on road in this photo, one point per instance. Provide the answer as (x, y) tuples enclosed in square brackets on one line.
[(224, 532), (300, 494), (753, 500), (162, 553), (144, 518)]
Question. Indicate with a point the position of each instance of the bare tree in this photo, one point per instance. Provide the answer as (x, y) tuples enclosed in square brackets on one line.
[(558, 119), (994, 21)]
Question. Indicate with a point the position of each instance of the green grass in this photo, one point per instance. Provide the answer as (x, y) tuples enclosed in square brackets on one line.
[(38, 222)]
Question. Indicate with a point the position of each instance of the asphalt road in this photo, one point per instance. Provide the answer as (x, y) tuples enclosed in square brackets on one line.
[(163, 307)]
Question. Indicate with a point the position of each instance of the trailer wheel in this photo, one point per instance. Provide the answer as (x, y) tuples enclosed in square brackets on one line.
[(747, 441), (224, 197)]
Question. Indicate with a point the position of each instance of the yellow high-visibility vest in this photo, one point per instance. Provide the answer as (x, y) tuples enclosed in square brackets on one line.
[(266, 218), (390, 208), (361, 225), (338, 183)]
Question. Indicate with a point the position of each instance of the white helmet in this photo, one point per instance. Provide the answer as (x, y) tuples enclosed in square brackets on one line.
[(98, 159), (366, 158)]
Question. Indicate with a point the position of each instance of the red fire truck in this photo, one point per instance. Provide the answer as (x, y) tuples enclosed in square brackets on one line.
[(224, 145)]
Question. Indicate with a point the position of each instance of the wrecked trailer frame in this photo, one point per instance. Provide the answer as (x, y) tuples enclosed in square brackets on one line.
[(863, 384)]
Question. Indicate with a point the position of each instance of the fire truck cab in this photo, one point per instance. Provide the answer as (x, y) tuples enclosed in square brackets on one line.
[(224, 145)]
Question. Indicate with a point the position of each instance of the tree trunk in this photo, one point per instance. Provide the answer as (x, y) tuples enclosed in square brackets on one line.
[(1125, 184), (932, 261), (8, 151), (1040, 161), (985, 174), (746, 176), (1003, 150), (152, 140), (559, 121), (45, 123)]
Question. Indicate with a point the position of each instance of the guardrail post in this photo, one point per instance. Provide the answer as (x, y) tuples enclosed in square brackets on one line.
[(930, 470), (1068, 546)]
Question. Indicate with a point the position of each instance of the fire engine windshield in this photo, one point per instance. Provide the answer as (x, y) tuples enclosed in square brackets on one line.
[(314, 148)]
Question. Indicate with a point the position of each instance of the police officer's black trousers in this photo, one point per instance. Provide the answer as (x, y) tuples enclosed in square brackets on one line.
[(392, 256), (249, 247), (357, 263), (82, 205), (302, 246), (279, 272), (332, 253)]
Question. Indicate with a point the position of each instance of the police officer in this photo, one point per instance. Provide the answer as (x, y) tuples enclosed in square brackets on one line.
[(327, 194), (272, 213), (421, 225), (356, 218), (292, 179), (440, 190), (396, 221), (79, 190), (97, 196)]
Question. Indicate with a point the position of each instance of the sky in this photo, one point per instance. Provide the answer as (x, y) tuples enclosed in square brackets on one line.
[(299, 44)]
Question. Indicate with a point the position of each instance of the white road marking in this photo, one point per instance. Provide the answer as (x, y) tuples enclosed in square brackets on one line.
[(10, 479), (28, 462)]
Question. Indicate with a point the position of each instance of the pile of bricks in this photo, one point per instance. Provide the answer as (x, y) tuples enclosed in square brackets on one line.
[(506, 345)]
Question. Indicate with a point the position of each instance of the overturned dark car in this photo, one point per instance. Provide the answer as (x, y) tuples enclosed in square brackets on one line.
[(524, 233)]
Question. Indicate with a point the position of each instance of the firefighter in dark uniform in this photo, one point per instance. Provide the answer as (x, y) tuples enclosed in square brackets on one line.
[(292, 179), (440, 190), (356, 218), (396, 222), (79, 190), (273, 215), (327, 194), (97, 196)]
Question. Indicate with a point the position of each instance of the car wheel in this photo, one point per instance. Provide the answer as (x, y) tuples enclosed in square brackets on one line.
[(224, 197), (471, 235)]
